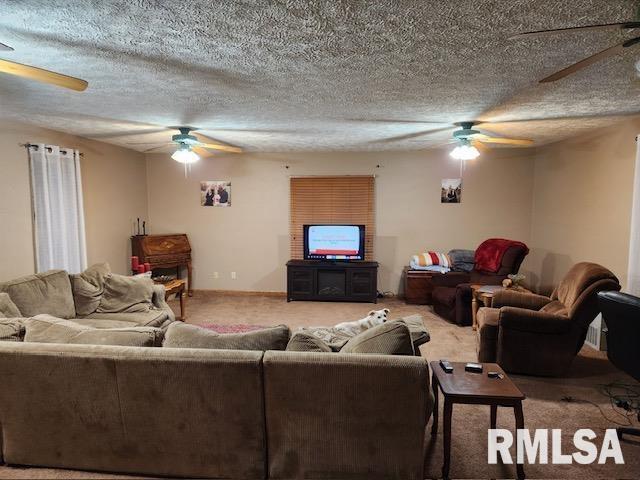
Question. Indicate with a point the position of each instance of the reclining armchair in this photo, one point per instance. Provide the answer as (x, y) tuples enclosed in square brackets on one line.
[(537, 335), (451, 294)]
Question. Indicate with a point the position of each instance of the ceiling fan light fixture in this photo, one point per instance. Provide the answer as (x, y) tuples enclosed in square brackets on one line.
[(184, 154), (465, 151)]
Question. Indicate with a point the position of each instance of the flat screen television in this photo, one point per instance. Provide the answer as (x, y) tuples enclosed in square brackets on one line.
[(334, 242)]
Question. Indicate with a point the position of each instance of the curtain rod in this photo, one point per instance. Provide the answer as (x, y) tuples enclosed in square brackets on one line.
[(331, 176), (29, 145)]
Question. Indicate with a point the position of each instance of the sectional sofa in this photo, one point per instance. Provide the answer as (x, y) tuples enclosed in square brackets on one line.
[(196, 412)]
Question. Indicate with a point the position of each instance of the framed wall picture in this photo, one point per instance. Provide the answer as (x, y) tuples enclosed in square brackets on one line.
[(215, 193), (451, 190)]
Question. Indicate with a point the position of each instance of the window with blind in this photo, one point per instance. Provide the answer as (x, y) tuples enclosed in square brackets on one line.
[(332, 200)]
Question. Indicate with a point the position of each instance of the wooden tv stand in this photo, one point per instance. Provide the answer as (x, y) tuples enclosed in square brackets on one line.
[(332, 281)]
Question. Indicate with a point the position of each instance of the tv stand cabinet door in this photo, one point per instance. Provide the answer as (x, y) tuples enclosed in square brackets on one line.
[(362, 284), (301, 283)]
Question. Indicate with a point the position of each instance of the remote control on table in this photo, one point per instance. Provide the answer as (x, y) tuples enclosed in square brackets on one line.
[(473, 367), (446, 366)]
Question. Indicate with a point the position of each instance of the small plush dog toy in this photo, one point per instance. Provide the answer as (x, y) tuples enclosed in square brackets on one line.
[(375, 317)]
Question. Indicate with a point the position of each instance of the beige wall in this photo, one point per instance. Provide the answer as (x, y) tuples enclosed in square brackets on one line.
[(114, 186), (251, 237), (569, 201), (582, 203)]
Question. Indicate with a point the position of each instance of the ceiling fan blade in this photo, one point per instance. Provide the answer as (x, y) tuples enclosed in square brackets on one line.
[(391, 120), (621, 25), (153, 149), (150, 143), (203, 152), (41, 75), (130, 133), (479, 145), (523, 142), (210, 143), (607, 52), (252, 130), (410, 135), (222, 148), (5, 48)]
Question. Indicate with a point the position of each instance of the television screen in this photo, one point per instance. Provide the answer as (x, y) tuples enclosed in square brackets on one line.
[(334, 242)]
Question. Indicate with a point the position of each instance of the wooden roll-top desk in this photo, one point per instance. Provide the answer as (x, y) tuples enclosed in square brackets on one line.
[(164, 251)]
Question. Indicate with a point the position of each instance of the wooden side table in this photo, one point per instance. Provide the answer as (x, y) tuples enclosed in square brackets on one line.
[(473, 388), (177, 287), (418, 286)]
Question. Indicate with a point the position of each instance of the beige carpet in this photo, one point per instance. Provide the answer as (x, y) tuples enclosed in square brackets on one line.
[(542, 409)]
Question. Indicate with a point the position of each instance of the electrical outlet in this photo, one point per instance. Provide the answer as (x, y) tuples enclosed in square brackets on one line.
[(233, 275), (216, 275)]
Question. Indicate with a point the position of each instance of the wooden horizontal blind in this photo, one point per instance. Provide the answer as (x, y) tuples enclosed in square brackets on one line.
[(332, 200)]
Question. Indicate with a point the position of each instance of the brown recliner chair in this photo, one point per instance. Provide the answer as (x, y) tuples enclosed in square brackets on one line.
[(537, 335), (451, 294)]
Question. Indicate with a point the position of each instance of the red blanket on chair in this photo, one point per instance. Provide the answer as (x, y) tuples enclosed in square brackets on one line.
[(489, 254)]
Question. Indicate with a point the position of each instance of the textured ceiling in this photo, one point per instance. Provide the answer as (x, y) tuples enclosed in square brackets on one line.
[(310, 75)]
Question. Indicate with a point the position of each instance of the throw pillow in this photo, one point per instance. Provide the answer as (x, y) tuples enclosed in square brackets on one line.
[(11, 330), (88, 287), (126, 294), (181, 335), (306, 342), (8, 309), (391, 338), (48, 329)]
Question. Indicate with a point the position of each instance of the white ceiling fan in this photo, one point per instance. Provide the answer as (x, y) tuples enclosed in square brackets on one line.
[(192, 146)]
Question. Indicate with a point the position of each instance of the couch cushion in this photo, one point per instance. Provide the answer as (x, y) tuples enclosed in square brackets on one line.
[(87, 288), (48, 329), (8, 309), (152, 318), (419, 334), (102, 323), (306, 342), (390, 338), (11, 329), (126, 294), (47, 292), (180, 335)]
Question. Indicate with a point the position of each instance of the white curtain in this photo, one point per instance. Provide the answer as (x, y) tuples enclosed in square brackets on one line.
[(633, 280), (56, 187)]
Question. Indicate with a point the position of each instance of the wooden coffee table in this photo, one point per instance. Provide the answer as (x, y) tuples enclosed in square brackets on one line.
[(176, 287), (473, 388)]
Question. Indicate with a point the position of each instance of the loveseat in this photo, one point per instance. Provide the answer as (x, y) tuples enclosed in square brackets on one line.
[(452, 291), (89, 299)]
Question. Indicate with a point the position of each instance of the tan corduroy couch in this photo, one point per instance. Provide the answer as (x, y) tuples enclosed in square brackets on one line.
[(186, 412), (52, 293)]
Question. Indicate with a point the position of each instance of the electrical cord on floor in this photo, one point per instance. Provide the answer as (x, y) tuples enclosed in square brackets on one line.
[(623, 397)]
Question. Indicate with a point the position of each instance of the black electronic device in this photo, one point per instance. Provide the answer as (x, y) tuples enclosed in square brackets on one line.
[(446, 366), (473, 367)]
